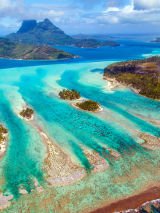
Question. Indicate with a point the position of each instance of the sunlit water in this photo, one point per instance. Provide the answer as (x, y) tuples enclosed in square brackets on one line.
[(124, 114)]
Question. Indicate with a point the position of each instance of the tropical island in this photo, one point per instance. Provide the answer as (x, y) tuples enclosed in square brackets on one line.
[(88, 105), (27, 113), (12, 50), (142, 75), (40, 33), (93, 43), (67, 94), (35, 40), (46, 33), (83, 104)]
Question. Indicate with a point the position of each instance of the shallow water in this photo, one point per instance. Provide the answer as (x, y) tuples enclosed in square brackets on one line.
[(68, 126), (125, 113)]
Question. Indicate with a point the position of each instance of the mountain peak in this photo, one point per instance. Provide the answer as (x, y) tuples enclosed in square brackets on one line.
[(46, 20), (27, 25), (46, 24)]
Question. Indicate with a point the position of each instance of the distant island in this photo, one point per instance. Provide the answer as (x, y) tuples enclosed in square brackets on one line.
[(157, 40), (102, 37), (93, 43), (35, 40), (142, 75), (12, 50), (46, 33), (40, 33)]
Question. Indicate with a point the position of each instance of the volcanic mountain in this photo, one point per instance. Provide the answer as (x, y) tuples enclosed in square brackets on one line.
[(44, 32)]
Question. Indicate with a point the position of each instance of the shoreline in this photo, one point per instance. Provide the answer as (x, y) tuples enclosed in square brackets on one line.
[(96, 111), (131, 203), (114, 84), (26, 119), (80, 100), (22, 59)]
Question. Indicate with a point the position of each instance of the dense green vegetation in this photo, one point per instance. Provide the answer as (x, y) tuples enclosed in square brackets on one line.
[(3, 131), (147, 84), (88, 105), (27, 113), (10, 49), (143, 75), (69, 94)]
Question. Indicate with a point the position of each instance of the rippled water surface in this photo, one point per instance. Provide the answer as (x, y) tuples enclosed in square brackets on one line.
[(124, 115)]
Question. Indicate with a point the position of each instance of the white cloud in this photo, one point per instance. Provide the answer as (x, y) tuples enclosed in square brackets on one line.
[(10, 4), (4, 4), (129, 14), (112, 9), (11, 8), (146, 4), (72, 16)]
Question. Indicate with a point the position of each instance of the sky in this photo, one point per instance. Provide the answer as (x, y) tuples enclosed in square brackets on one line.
[(84, 16)]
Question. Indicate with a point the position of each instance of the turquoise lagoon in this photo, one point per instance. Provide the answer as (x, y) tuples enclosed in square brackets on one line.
[(124, 115)]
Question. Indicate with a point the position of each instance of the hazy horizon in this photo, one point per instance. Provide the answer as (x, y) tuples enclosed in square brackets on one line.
[(87, 16), (88, 33)]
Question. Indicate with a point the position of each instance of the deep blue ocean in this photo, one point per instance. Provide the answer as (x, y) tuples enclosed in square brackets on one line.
[(128, 49)]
